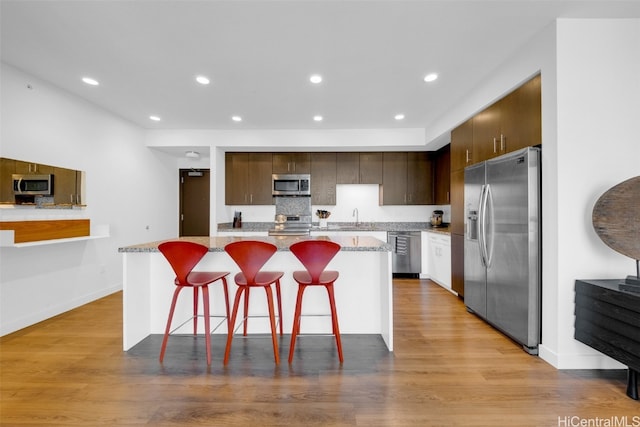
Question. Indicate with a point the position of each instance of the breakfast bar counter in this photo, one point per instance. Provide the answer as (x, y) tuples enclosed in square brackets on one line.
[(364, 296)]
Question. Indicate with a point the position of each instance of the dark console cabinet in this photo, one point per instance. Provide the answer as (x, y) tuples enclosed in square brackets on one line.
[(608, 320)]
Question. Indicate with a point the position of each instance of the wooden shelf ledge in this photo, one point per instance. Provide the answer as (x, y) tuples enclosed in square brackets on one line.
[(38, 232)]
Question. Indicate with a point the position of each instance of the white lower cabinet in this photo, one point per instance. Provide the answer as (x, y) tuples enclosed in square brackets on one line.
[(438, 259)]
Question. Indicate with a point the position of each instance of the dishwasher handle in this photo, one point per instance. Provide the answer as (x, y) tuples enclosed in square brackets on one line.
[(400, 243)]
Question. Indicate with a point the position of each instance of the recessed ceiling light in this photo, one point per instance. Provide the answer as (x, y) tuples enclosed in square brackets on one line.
[(192, 154), (430, 77), (317, 118), (236, 118), (203, 80), (90, 81), (399, 117), (155, 118), (315, 78)]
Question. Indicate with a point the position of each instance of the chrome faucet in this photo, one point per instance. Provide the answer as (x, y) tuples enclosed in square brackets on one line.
[(355, 213)]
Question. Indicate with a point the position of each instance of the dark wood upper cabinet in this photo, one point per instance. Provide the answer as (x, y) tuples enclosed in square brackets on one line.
[(512, 123), (462, 146), (260, 168), (348, 168), (486, 132), (64, 186), (32, 168), (359, 168), (420, 175), (248, 179), (522, 117), (7, 168), (407, 178), (236, 180), (323, 179), (370, 168), (291, 162), (394, 179)]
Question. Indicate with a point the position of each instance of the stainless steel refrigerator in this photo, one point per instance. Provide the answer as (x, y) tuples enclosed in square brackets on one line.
[(502, 250)]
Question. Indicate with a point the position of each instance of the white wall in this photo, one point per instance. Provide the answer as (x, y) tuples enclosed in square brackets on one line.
[(47, 125), (598, 147)]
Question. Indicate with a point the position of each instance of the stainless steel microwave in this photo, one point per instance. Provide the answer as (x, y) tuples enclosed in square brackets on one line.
[(291, 185), (32, 184)]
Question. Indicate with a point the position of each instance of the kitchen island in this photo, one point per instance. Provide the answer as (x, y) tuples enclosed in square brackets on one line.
[(364, 297)]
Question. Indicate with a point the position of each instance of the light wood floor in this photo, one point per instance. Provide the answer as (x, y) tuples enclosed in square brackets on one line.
[(448, 369)]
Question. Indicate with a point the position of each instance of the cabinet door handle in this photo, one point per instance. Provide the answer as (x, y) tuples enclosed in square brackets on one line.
[(494, 146), (467, 155), (502, 143)]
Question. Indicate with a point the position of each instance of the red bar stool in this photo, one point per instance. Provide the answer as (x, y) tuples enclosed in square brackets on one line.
[(250, 256), (183, 257), (315, 255)]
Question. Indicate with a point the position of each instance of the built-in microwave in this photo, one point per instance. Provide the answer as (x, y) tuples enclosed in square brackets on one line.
[(33, 185), (291, 184)]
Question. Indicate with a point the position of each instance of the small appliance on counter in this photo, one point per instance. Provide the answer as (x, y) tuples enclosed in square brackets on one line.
[(436, 218), (237, 219)]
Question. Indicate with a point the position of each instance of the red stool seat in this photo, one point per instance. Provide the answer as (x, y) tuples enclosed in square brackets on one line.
[(183, 257), (250, 256), (315, 255)]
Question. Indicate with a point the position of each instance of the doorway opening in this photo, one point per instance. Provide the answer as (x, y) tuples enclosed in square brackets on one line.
[(194, 202)]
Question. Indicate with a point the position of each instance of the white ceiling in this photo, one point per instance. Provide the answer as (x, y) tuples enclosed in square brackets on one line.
[(259, 55)]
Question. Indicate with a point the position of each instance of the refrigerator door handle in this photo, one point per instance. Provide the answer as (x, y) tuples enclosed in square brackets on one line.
[(482, 225), (488, 224)]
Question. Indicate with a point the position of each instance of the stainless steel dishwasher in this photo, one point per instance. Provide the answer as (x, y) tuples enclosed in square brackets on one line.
[(406, 248)]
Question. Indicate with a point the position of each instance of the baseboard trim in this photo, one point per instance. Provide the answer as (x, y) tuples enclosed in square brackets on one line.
[(33, 318)]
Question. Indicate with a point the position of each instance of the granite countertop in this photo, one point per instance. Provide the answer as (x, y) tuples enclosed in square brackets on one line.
[(344, 226), (217, 244)]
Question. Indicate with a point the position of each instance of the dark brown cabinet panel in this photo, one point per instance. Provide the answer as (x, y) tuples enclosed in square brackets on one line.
[(260, 179), (462, 145), (291, 162), (32, 168), (248, 179), (236, 180), (64, 187), (457, 263), (348, 168), (420, 173), (394, 179), (370, 168), (512, 123), (486, 133), (457, 202), (7, 169), (323, 179), (442, 190), (522, 113), (407, 178)]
